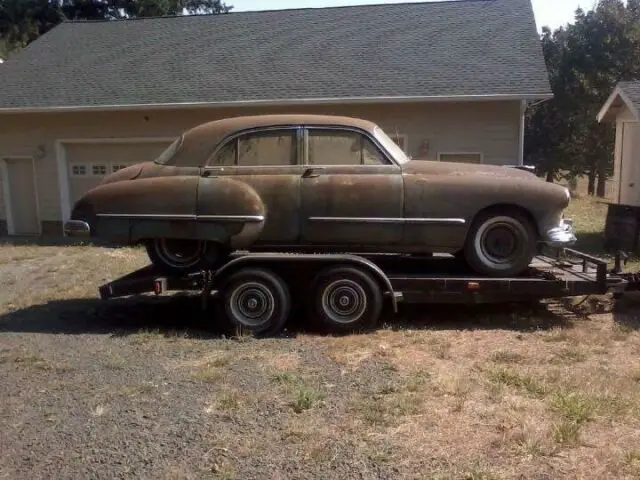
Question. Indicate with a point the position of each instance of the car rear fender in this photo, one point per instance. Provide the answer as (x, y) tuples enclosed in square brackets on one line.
[(231, 204)]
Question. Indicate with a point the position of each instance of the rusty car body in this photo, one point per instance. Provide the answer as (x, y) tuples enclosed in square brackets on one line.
[(319, 183)]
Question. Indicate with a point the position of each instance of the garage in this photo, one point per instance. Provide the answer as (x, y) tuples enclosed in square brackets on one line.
[(89, 161)]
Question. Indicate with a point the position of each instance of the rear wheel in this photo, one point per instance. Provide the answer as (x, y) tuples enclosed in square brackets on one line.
[(176, 255), (346, 299), (500, 244), (256, 301)]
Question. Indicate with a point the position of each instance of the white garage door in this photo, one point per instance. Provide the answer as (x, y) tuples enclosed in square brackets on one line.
[(88, 163)]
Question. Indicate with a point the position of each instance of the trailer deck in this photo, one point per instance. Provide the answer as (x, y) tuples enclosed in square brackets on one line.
[(438, 279)]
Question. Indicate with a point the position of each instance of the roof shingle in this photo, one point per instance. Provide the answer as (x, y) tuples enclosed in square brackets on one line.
[(451, 48), (632, 91)]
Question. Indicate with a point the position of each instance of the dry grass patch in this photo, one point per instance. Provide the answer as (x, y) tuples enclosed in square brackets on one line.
[(33, 361), (531, 385), (569, 356), (506, 356), (631, 462), (388, 410), (211, 370)]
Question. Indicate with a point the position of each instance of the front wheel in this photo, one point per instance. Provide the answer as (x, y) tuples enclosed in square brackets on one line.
[(175, 255), (500, 244)]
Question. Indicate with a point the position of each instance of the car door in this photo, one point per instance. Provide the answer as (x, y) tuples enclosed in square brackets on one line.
[(352, 192), (266, 160)]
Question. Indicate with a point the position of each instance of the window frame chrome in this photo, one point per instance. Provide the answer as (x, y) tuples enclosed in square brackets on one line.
[(233, 137), (302, 151), (383, 151)]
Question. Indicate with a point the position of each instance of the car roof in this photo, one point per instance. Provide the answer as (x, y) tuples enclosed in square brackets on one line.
[(200, 141)]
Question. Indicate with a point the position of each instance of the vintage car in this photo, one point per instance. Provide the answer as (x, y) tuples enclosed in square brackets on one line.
[(320, 184)]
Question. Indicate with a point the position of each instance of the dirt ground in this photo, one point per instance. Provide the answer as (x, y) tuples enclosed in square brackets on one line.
[(151, 388)]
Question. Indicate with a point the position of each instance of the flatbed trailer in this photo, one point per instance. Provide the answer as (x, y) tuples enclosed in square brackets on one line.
[(346, 292)]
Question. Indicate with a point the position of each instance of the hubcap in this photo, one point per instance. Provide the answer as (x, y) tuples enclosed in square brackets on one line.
[(344, 301), (499, 241), (252, 304)]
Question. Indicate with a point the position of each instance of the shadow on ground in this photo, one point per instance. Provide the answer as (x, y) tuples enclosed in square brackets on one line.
[(53, 241), (121, 317), (626, 311), (118, 317)]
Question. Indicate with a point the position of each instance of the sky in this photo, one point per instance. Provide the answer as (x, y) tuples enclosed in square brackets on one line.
[(552, 13)]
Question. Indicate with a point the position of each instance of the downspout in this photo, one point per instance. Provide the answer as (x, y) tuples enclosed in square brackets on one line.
[(523, 111)]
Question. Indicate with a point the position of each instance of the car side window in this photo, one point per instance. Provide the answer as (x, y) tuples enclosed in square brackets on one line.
[(275, 147), (265, 148), (342, 147), (227, 156)]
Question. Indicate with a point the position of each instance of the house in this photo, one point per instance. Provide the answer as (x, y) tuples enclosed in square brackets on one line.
[(448, 80), (623, 108)]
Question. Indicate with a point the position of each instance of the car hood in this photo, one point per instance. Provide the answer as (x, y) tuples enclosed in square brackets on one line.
[(429, 167)]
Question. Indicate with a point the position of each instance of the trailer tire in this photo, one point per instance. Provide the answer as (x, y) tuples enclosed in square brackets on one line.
[(255, 301), (346, 299)]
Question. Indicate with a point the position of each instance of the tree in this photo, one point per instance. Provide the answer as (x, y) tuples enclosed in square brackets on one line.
[(585, 60), (22, 21)]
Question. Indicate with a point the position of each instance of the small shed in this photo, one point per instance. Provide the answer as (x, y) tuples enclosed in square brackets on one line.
[(623, 108)]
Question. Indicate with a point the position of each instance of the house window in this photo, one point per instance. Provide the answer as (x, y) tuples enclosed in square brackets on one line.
[(115, 168), (98, 169), (401, 140), (78, 170), (335, 147), (460, 157)]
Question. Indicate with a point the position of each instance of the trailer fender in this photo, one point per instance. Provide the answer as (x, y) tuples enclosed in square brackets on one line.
[(264, 259)]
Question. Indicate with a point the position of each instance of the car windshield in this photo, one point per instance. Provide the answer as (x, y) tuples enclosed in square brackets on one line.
[(391, 146), (166, 156)]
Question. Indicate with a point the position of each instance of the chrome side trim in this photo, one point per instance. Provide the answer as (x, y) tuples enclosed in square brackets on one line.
[(400, 221), (162, 216), (233, 218)]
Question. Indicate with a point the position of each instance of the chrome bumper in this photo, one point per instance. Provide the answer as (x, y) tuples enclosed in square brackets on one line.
[(76, 228), (561, 236)]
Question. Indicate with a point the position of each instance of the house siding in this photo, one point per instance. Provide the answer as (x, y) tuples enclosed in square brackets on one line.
[(491, 128)]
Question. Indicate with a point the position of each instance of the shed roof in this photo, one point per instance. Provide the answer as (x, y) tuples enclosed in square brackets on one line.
[(625, 95), (465, 49)]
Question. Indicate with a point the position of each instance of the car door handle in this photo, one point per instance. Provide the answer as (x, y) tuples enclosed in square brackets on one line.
[(312, 172), (208, 173)]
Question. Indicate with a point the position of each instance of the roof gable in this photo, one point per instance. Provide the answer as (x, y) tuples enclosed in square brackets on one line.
[(625, 95), (466, 48)]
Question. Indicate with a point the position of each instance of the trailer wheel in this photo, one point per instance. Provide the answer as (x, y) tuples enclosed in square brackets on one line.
[(346, 299), (256, 300)]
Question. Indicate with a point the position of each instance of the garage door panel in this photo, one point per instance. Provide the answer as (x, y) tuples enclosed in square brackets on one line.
[(88, 163)]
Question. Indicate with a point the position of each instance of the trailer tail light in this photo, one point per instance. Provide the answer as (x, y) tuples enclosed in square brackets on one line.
[(473, 285), (159, 285)]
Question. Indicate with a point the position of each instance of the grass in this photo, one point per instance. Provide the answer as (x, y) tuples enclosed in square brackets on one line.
[(528, 384), (505, 356), (305, 398), (589, 215)]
